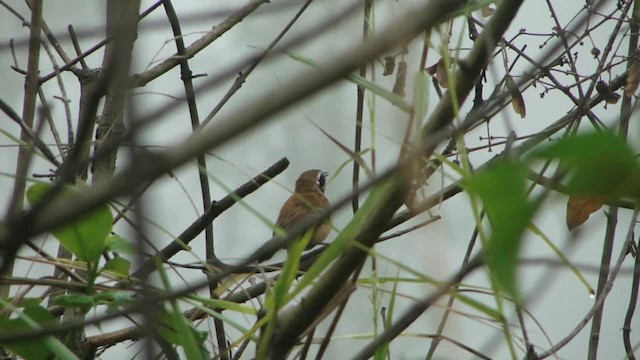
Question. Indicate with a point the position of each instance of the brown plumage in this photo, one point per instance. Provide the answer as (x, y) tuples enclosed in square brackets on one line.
[(307, 201)]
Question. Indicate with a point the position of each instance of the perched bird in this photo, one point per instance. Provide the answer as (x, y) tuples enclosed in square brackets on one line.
[(306, 202)]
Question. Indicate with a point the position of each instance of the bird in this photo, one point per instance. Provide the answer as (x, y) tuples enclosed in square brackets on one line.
[(306, 202)]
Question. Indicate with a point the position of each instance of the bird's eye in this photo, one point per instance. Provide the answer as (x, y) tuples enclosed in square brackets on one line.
[(322, 179)]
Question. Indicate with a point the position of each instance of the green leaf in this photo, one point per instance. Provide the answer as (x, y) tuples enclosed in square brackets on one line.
[(114, 298), (168, 328), (117, 243), (563, 259), (289, 272), (175, 328), (86, 236), (383, 351), (23, 302), (600, 164), (277, 297), (336, 248), (32, 317), (492, 313), (119, 266), (191, 339), (74, 300), (226, 305), (502, 190)]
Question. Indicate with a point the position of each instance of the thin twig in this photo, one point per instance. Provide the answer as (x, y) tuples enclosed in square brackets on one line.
[(612, 220), (357, 146), (242, 77), (25, 154), (602, 296), (443, 321), (234, 70), (76, 46), (43, 100), (201, 43), (187, 80), (214, 211), (69, 65), (29, 134), (625, 116), (417, 309), (633, 300), (410, 229)]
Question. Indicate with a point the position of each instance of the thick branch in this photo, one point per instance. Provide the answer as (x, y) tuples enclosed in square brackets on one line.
[(122, 22)]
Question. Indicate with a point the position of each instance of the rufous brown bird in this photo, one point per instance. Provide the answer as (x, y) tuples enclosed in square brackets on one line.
[(306, 202)]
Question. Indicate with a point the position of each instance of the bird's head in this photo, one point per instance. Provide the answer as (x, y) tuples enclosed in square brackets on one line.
[(311, 180)]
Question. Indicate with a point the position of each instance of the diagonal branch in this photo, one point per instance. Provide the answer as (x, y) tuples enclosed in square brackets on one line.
[(204, 41), (216, 208)]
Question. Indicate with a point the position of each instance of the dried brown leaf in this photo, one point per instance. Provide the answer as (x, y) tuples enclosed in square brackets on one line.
[(517, 101), (579, 208), (401, 79), (439, 71), (605, 91), (389, 65), (633, 78)]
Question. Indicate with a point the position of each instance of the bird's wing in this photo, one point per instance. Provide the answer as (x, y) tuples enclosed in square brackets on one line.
[(293, 211)]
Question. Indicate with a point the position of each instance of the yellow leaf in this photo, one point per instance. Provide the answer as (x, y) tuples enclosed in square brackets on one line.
[(517, 101), (579, 208)]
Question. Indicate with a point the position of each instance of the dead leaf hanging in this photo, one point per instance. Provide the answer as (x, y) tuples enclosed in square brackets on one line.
[(517, 101), (439, 71), (401, 79), (579, 208), (389, 65)]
